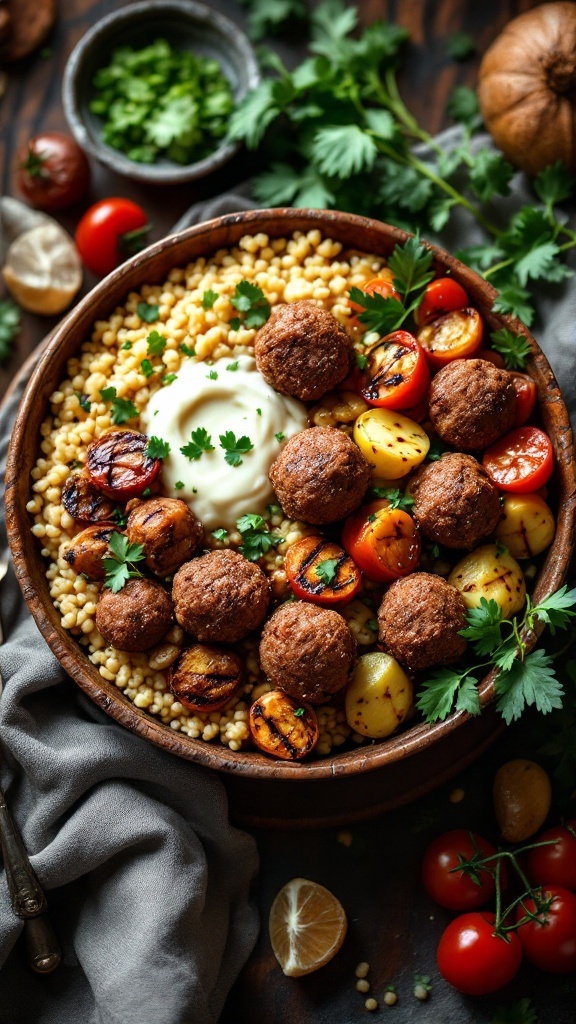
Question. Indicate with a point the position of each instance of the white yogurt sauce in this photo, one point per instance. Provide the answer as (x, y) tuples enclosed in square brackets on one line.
[(240, 401)]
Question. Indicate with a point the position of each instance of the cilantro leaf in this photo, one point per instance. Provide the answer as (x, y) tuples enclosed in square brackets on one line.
[(439, 692), (490, 174), (212, 375), (460, 46), (232, 366), (83, 401), (519, 1012), (187, 350), (254, 115), (209, 298), (285, 185), (220, 534), (256, 540), (463, 107), (342, 150), (380, 314), (410, 265), (512, 298), (268, 19), (467, 697), (157, 448), (148, 312), (200, 442), (156, 343), (250, 300), (554, 184), (514, 348), (233, 448), (327, 570), (537, 263), (120, 564), (527, 682), (395, 497), (484, 626), (9, 327), (147, 368), (122, 409), (555, 610)]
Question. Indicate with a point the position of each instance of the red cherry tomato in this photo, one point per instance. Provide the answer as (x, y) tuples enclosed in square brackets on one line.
[(526, 395), (521, 461), (320, 571), (381, 285), (492, 357), (456, 335), (458, 890), (550, 941), (555, 864), (118, 466), (397, 372), (441, 296), (104, 236), (383, 541), (52, 171), (473, 958)]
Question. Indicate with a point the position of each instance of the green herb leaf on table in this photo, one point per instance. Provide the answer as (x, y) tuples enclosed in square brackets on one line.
[(200, 442), (554, 184), (461, 46), (235, 448), (120, 565), (256, 538), (342, 150), (147, 312), (157, 448), (267, 18), (250, 300), (490, 174), (156, 343), (122, 408), (514, 348), (464, 108), (326, 571), (519, 1012), (9, 327)]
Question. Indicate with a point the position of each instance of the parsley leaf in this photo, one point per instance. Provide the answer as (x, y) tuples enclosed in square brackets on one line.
[(209, 298), (484, 626), (267, 18), (463, 107), (519, 1012), (250, 300), (380, 314), (327, 570), (395, 497), (410, 264), (187, 350), (527, 682), (461, 46), (554, 184), (157, 448), (119, 517), (179, 485), (514, 348), (9, 327), (120, 564), (256, 540), (232, 366), (122, 409), (342, 150), (220, 534), (147, 312), (169, 378), (490, 174), (555, 611), (235, 448), (147, 368), (280, 436), (156, 343), (442, 688), (200, 442), (83, 401), (212, 375), (512, 298)]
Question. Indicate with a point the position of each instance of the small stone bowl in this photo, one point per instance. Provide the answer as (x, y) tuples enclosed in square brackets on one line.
[(186, 25)]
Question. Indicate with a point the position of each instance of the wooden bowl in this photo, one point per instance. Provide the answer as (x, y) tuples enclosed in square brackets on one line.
[(433, 744)]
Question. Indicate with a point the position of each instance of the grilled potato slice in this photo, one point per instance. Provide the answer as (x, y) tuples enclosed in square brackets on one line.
[(283, 726), (527, 526), (492, 573)]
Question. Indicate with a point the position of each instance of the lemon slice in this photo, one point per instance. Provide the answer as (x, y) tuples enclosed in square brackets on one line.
[(43, 270), (307, 926)]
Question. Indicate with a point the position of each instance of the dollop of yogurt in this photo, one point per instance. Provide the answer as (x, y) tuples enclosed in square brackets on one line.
[(217, 399)]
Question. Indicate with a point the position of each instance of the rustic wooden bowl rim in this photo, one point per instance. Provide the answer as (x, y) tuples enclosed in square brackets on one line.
[(151, 266)]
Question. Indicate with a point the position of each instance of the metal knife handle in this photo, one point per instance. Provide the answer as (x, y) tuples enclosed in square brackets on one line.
[(44, 953), (28, 899)]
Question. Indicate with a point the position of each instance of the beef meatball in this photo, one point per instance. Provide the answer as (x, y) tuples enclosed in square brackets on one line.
[(472, 403), (169, 531), (307, 651), (419, 619), (302, 350), (220, 596), (135, 618), (455, 504), (320, 475)]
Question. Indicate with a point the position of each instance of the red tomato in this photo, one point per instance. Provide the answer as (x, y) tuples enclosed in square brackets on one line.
[(458, 890), (381, 285), (526, 395), (456, 335), (118, 466), (550, 941), (556, 864), (491, 357), (441, 296), (520, 462), (473, 958), (397, 372), (52, 171), (109, 232), (320, 571), (383, 541)]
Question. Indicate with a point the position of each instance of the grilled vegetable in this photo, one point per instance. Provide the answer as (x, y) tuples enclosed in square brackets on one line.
[(320, 571), (378, 697), (527, 526), (456, 335), (87, 550), (382, 540), (391, 443), (397, 372), (493, 574), (282, 726), (83, 501), (441, 296), (169, 532), (118, 466), (205, 678)]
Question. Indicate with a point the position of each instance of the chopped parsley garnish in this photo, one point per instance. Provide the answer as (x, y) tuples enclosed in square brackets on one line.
[(233, 448), (179, 485), (232, 366), (147, 368), (200, 442), (395, 497), (146, 492), (120, 564), (209, 298), (122, 409), (83, 401), (437, 449), (212, 375), (250, 300), (279, 436), (156, 343), (147, 312), (361, 361), (235, 323), (126, 346), (327, 570), (274, 510), (9, 327), (514, 348), (298, 712), (373, 625), (220, 534), (157, 448), (187, 350), (119, 517), (258, 412), (256, 540), (169, 378)]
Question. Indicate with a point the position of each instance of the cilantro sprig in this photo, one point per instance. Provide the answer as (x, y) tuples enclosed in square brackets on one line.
[(256, 537), (120, 564), (410, 265), (200, 442), (235, 448), (514, 348), (252, 303)]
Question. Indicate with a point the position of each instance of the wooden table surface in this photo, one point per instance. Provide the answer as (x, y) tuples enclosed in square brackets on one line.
[(392, 924)]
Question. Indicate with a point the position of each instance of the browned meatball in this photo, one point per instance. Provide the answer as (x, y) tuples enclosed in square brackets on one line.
[(135, 618), (220, 596), (455, 503), (168, 529), (302, 350), (472, 403), (87, 550), (419, 619), (307, 651), (320, 475)]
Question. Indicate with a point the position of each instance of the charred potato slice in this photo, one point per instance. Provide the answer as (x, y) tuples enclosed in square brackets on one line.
[(205, 678), (283, 726), (87, 550), (492, 573), (84, 502), (527, 526)]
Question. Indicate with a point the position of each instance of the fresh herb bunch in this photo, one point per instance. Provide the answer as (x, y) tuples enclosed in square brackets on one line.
[(334, 132), (522, 680), (120, 565)]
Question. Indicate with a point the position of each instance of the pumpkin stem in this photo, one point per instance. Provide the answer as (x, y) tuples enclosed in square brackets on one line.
[(560, 71)]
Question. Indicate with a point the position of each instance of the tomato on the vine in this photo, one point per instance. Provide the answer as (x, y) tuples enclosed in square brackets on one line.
[(526, 395), (383, 541), (109, 232), (550, 941), (441, 296), (397, 374), (521, 461), (474, 958), (52, 171), (381, 285), (554, 864), (463, 889)]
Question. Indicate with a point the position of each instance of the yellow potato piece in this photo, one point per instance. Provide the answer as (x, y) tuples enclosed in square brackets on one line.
[(522, 794), (527, 525), (43, 269), (379, 696), (493, 574), (392, 444)]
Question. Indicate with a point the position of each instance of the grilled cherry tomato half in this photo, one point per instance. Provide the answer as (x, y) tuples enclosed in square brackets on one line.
[(87, 550), (383, 541), (550, 941), (473, 958), (381, 285), (52, 171), (453, 888), (456, 335), (205, 678), (441, 296), (320, 571), (83, 501), (521, 461), (282, 726), (397, 372), (109, 232), (118, 465), (554, 864), (526, 395)]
